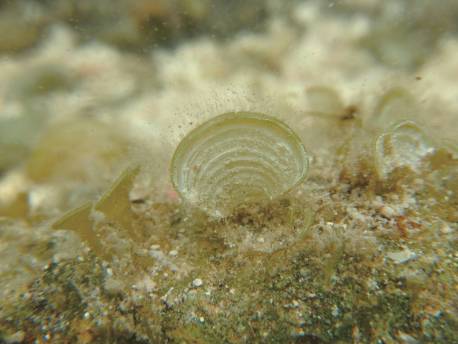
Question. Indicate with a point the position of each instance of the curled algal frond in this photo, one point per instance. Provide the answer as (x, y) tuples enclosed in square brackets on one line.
[(325, 101), (237, 158), (406, 145), (395, 105)]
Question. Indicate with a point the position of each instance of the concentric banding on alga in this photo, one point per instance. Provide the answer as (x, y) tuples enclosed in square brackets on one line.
[(236, 158), (405, 145)]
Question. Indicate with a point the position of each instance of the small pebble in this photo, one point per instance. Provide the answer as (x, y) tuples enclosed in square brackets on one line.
[(401, 256), (407, 339), (335, 311), (197, 283), (445, 228), (387, 211)]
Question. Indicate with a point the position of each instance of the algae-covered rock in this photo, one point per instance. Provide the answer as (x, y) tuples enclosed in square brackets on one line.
[(405, 34), (134, 26), (18, 134)]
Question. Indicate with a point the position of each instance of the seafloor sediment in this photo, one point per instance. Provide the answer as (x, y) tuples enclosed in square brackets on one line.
[(96, 246)]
